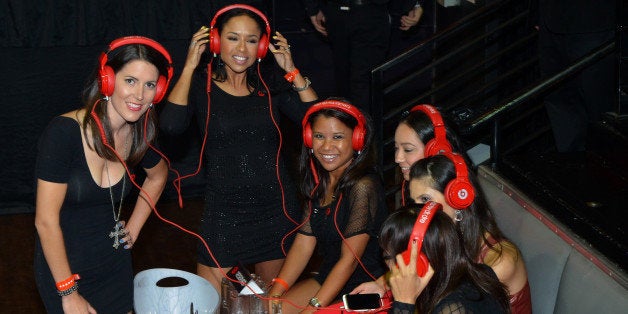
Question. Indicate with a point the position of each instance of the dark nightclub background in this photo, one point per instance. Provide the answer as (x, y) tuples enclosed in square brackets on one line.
[(49, 48)]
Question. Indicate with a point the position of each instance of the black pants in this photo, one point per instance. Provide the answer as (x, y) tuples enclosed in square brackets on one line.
[(359, 40), (582, 99)]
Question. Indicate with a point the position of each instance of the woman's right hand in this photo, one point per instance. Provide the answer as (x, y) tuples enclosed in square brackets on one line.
[(198, 44), (75, 303), (369, 287), (405, 283)]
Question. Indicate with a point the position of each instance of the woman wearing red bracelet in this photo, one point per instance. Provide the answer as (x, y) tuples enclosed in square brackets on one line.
[(82, 256), (249, 201), (344, 210)]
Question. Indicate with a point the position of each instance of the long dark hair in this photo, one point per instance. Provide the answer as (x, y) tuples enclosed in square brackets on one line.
[(478, 219), (93, 97), (218, 67), (363, 163), (444, 248)]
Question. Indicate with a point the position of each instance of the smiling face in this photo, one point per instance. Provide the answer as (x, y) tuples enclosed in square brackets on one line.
[(408, 148), (239, 39), (135, 88), (331, 143), (422, 190)]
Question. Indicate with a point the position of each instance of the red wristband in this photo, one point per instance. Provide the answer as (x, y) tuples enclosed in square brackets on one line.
[(282, 282), (68, 282), (291, 75)]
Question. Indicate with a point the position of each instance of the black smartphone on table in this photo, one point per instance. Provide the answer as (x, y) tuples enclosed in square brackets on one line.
[(361, 302)]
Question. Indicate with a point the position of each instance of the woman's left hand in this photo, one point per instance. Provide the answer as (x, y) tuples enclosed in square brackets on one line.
[(129, 236), (282, 53)]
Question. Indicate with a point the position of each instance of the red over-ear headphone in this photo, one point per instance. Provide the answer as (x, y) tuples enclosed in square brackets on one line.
[(459, 193), (107, 76), (214, 36), (359, 132), (439, 143), (418, 234)]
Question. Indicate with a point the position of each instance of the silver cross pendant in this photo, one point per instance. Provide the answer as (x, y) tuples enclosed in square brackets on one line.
[(116, 234)]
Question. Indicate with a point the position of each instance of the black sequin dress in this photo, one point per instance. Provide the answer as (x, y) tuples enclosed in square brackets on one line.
[(244, 219)]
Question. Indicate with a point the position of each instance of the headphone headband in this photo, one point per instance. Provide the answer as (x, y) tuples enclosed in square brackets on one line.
[(107, 75), (439, 143), (214, 40), (359, 132), (419, 229)]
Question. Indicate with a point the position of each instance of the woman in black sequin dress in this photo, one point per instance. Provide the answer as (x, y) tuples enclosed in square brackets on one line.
[(249, 200)]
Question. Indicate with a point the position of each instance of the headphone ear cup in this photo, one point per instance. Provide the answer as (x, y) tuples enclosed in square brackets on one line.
[(459, 193), (307, 136), (214, 41), (435, 147), (107, 80), (262, 47), (422, 264), (358, 139), (160, 89)]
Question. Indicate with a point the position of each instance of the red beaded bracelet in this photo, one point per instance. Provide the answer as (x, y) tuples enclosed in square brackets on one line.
[(291, 75), (67, 283), (282, 282)]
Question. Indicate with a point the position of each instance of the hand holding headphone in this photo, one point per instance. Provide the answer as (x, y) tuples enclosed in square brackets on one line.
[(214, 35), (421, 224)]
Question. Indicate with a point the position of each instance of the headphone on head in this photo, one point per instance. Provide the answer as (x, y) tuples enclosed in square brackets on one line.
[(359, 132), (439, 143), (214, 35), (423, 220), (459, 192), (107, 77)]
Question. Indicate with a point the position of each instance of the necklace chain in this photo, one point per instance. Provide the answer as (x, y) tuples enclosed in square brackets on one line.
[(116, 217)]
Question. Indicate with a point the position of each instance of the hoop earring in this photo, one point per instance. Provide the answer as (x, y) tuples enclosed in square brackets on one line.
[(458, 215), (312, 151)]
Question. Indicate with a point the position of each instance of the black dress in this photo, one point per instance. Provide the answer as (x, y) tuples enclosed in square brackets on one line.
[(86, 218), (243, 220), (362, 210)]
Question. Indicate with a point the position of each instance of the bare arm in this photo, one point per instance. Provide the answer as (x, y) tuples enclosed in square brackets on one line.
[(181, 90), (283, 55), (299, 255), (153, 186), (48, 204)]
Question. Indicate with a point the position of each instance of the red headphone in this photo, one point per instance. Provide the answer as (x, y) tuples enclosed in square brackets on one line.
[(418, 234), (107, 76), (439, 143), (359, 132), (214, 36), (459, 192)]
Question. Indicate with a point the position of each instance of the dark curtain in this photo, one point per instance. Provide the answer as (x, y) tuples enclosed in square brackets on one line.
[(47, 51)]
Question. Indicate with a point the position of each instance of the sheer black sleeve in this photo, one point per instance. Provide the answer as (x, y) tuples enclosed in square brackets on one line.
[(364, 200)]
